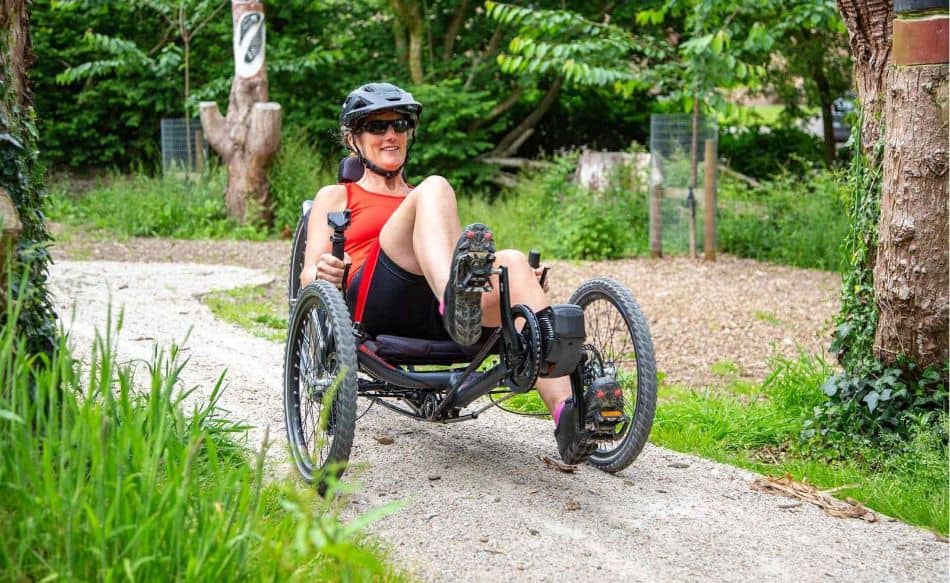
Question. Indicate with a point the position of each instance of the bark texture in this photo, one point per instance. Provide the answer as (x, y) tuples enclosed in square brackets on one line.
[(23, 233), (869, 23), (247, 138), (911, 272)]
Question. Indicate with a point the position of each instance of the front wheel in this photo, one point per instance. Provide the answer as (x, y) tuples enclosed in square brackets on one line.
[(320, 384), (618, 343)]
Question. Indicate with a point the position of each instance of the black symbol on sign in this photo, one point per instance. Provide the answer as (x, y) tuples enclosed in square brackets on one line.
[(252, 22)]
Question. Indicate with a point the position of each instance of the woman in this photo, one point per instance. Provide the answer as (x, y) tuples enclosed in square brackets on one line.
[(414, 271)]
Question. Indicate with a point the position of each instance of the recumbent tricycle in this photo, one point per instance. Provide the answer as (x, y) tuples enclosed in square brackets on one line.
[(329, 362)]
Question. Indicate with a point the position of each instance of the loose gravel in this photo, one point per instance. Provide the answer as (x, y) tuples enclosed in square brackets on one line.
[(478, 503)]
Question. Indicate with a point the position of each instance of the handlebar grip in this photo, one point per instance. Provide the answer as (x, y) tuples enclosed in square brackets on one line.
[(534, 258), (337, 246)]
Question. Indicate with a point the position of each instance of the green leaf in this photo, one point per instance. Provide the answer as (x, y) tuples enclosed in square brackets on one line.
[(11, 416)]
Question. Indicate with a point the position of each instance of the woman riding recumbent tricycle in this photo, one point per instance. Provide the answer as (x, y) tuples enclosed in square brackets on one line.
[(420, 293)]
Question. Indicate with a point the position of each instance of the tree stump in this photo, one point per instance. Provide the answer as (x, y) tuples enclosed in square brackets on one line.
[(249, 136), (911, 272)]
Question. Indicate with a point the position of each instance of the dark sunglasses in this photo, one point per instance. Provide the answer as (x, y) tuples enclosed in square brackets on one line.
[(379, 127)]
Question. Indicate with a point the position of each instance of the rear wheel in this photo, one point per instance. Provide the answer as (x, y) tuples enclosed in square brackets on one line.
[(618, 342), (320, 384), (298, 249)]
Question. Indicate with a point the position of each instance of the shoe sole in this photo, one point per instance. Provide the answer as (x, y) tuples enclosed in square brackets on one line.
[(471, 269)]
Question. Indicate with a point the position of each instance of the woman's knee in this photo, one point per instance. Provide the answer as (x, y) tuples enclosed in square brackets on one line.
[(513, 259), (435, 185)]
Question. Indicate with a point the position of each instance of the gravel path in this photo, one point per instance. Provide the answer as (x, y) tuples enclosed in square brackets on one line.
[(478, 503)]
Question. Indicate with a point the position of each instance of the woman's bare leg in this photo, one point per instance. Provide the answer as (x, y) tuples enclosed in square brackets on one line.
[(524, 289), (421, 235)]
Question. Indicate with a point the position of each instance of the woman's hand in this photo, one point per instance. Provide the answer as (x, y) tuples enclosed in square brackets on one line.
[(330, 268)]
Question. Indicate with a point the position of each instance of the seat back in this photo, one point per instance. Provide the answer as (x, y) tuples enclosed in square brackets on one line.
[(350, 170)]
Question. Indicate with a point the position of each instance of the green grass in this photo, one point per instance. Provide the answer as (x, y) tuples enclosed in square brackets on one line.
[(138, 205), (788, 220), (261, 310), (742, 427), (725, 368), (142, 205), (101, 480), (768, 317)]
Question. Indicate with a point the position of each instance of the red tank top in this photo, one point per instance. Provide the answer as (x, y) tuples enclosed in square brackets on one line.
[(369, 211)]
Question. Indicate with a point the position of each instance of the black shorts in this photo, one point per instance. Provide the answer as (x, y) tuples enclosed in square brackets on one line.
[(397, 302)]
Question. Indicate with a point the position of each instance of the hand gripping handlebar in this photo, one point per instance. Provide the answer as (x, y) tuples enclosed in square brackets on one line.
[(339, 221)]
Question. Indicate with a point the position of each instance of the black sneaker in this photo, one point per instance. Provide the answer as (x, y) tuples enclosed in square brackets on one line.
[(574, 443), (468, 278)]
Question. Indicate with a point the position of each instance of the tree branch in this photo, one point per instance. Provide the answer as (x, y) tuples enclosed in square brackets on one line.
[(489, 52), (499, 109), (512, 141)]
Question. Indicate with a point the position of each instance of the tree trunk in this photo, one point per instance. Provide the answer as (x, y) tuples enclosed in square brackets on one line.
[(910, 275), (409, 13), (869, 25), (23, 234), (827, 125), (458, 17), (249, 137)]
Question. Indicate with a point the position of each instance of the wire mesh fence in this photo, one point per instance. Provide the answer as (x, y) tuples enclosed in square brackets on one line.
[(184, 149), (677, 177)]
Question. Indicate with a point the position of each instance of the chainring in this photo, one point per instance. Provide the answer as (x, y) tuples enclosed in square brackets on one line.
[(524, 361)]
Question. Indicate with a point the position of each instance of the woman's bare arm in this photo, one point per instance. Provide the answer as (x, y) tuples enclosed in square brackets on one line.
[(318, 261)]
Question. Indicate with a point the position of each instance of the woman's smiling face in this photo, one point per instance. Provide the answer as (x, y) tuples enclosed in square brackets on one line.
[(387, 150)]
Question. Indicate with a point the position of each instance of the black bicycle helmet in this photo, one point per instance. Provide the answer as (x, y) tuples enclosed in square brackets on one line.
[(376, 97)]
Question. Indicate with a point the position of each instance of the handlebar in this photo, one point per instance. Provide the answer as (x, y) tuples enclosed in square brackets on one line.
[(339, 221), (534, 260)]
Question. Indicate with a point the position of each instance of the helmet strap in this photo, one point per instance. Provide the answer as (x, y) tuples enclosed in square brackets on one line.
[(376, 169)]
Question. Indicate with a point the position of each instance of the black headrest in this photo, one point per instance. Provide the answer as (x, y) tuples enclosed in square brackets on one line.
[(350, 170)]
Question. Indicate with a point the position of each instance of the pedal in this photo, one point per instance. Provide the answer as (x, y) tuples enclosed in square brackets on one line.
[(477, 270), (604, 401)]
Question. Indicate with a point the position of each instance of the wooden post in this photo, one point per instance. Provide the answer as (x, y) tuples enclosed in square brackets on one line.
[(656, 220), (249, 137), (693, 162), (709, 203), (199, 151)]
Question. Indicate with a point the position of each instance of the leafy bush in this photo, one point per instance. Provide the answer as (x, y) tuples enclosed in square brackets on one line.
[(296, 175), (445, 144), (143, 206), (786, 220), (764, 151), (545, 211), (884, 404)]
